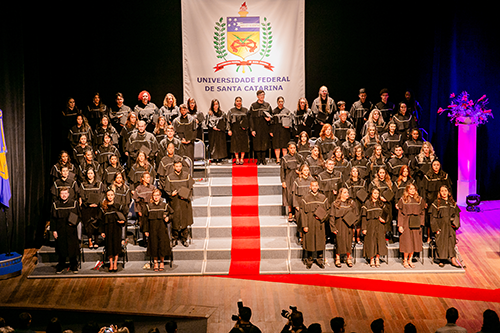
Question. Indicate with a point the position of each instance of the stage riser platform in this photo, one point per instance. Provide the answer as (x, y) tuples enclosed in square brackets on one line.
[(210, 250)]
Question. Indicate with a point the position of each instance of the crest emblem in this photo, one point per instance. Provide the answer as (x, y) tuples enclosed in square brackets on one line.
[(246, 37)]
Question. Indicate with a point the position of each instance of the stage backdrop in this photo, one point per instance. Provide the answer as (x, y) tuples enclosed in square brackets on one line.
[(233, 49)]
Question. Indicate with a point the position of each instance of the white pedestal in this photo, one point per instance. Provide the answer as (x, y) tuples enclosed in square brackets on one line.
[(467, 183)]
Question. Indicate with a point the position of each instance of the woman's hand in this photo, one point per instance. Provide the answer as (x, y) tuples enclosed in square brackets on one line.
[(103, 235), (230, 133), (306, 229), (283, 185), (54, 233), (364, 232), (254, 133), (146, 234), (401, 230), (121, 222), (381, 219)]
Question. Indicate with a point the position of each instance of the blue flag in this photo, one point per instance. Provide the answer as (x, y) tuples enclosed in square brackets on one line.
[(4, 172)]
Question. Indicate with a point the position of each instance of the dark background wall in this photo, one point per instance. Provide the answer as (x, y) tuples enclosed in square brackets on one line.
[(50, 53)]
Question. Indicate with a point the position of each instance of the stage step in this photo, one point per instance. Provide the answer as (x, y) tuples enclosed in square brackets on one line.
[(222, 186), (224, 170), (221, 206)]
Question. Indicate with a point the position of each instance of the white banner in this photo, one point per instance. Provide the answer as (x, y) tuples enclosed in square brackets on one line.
[(233, 49)]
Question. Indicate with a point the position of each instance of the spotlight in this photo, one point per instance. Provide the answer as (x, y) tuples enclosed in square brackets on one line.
[(473, 201)]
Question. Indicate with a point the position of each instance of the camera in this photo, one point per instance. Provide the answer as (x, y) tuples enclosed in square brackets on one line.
[(108, 329), (237, 317), (286, 314)]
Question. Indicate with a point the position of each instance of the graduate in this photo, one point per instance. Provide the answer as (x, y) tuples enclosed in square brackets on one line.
[(96, 110), (141, 140), (281, 125), (349, 144), (112, 228), (303, 145), (329, 180), (91, 195), (216, 124), (413, 145), (404, 179), (303, 119), (445, 221), (288, 174), (186, 128), (376, 161), (140, 166), (341, 163), (170, 137), (160, 130), (81, 127), (66, 180), (158, 214), (237, 129), (382, 181), (390, 140), (198, 115), (357, 190), (126, 131), (179, 188), (370, 140), (112, 169), (105, 151), (80, 150), (342, 125), (361, 163), (64, 219), (314, 213), (104, 127), (385, 106), (119, 113), (421, 164), (315, 162), (323, 108), (166, 166), (344, 215), (359, 111), (326, 141), (395, 163), (169, 110), (404, 121), (64, 160), (146, 110), (374, 216), (260, 113), (374, 119), (300, 187), (123, 195), (89, 163), (141, 195), (411, 218)]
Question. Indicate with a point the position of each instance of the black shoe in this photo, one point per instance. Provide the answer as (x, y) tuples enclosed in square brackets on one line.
[(309, 263), (320, 262), (74, 269), (185, 243), (59, 269)]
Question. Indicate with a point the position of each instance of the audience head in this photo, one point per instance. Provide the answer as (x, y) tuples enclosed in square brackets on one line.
[(296, 318), (54, 326), (377, 325), (24, 320), (245, 313), (410, 328), (314, 328), (452, 315), (491, 322), (171, 327), (337, 325)]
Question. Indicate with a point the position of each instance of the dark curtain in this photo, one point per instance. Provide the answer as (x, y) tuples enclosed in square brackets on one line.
[(78, 49)]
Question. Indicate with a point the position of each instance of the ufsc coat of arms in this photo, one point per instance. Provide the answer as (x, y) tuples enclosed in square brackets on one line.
[(244, 37)]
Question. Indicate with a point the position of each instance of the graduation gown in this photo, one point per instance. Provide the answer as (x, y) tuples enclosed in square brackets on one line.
[(69, 183), (339, 225), (123, 196), (326, 145), (238, 123), (104, 153), (411, 239), (110, 174), (300, 188), (363, 167), (166, 167), (303, 121), (216, 124), (374, 242), (304, 150), (159, 238), (315, 166), (113, 230), (260, 125), (169, 113), (91, 193), (75, 132), (138, 140), (394, 166), (288, 175), (329, 182), (55, 171), (136, 172), (412, 148), (445, 218), (389, 142), (67, 244), (432, 182), (183, 210), (281, 135), (162, 151), (185, 128), (98, 138), (314, 239)]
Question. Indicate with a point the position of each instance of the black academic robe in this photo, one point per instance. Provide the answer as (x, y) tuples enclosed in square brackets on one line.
[(260, 125), (328, 183), (159, 238), (185, 128), (338, 224), (281, 134), (314, 239), (374, 242), (410, 240), (288, 166), (113, 230), (67, 244), (183, 210), (216, 124), (238, 123), (445, 218)]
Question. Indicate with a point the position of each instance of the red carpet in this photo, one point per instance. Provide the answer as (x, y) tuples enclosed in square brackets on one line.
[(245, 245)]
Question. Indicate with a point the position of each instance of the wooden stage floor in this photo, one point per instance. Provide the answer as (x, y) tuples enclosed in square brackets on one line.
[(215, 297)]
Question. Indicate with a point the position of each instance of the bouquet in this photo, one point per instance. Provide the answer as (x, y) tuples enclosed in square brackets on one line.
[(464, 110)]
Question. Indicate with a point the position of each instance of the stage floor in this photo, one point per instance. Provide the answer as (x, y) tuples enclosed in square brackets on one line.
[(398, 298)]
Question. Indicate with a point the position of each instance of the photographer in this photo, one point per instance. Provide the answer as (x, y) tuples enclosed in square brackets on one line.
[(243, 324), (295, 323)]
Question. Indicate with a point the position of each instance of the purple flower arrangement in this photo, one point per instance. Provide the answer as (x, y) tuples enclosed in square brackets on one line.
[(464, 110)]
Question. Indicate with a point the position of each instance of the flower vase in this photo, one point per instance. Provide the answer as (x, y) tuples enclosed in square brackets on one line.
[(467, 183)]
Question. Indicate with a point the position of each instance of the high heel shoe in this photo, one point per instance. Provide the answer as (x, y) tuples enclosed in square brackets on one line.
[(405, 263), (337, 262), (377, 262), (155, 267), (349, 262), (372, 262)]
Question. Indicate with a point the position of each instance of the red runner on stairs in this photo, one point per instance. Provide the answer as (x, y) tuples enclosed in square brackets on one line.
[(245, 245)]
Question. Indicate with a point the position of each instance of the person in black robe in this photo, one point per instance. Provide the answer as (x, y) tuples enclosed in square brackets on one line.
[(445, 221), (112, 170), (141, 140), (412, 146), (385, 106), (170, 137), (281, 124), (349, 144), (66, 180), (104, 127), (146, 110), (64, 160), (303, 119), (158, 214), (341, 126), (199, 117), (119, 113), (113, 217), (374, 214), (260, 117), (323, 108), (91, 195), (105, 151), (288, 173), (404, 121), (216, 124), (169, 110), (303, 145), (80, 149), (314, 212), (395, 163), (390, 140), (96, 110), (141, 195), (64, 218), (166, 166), (357, 190), (186, 128), (237, 128), (360, 111), (179, 188)]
